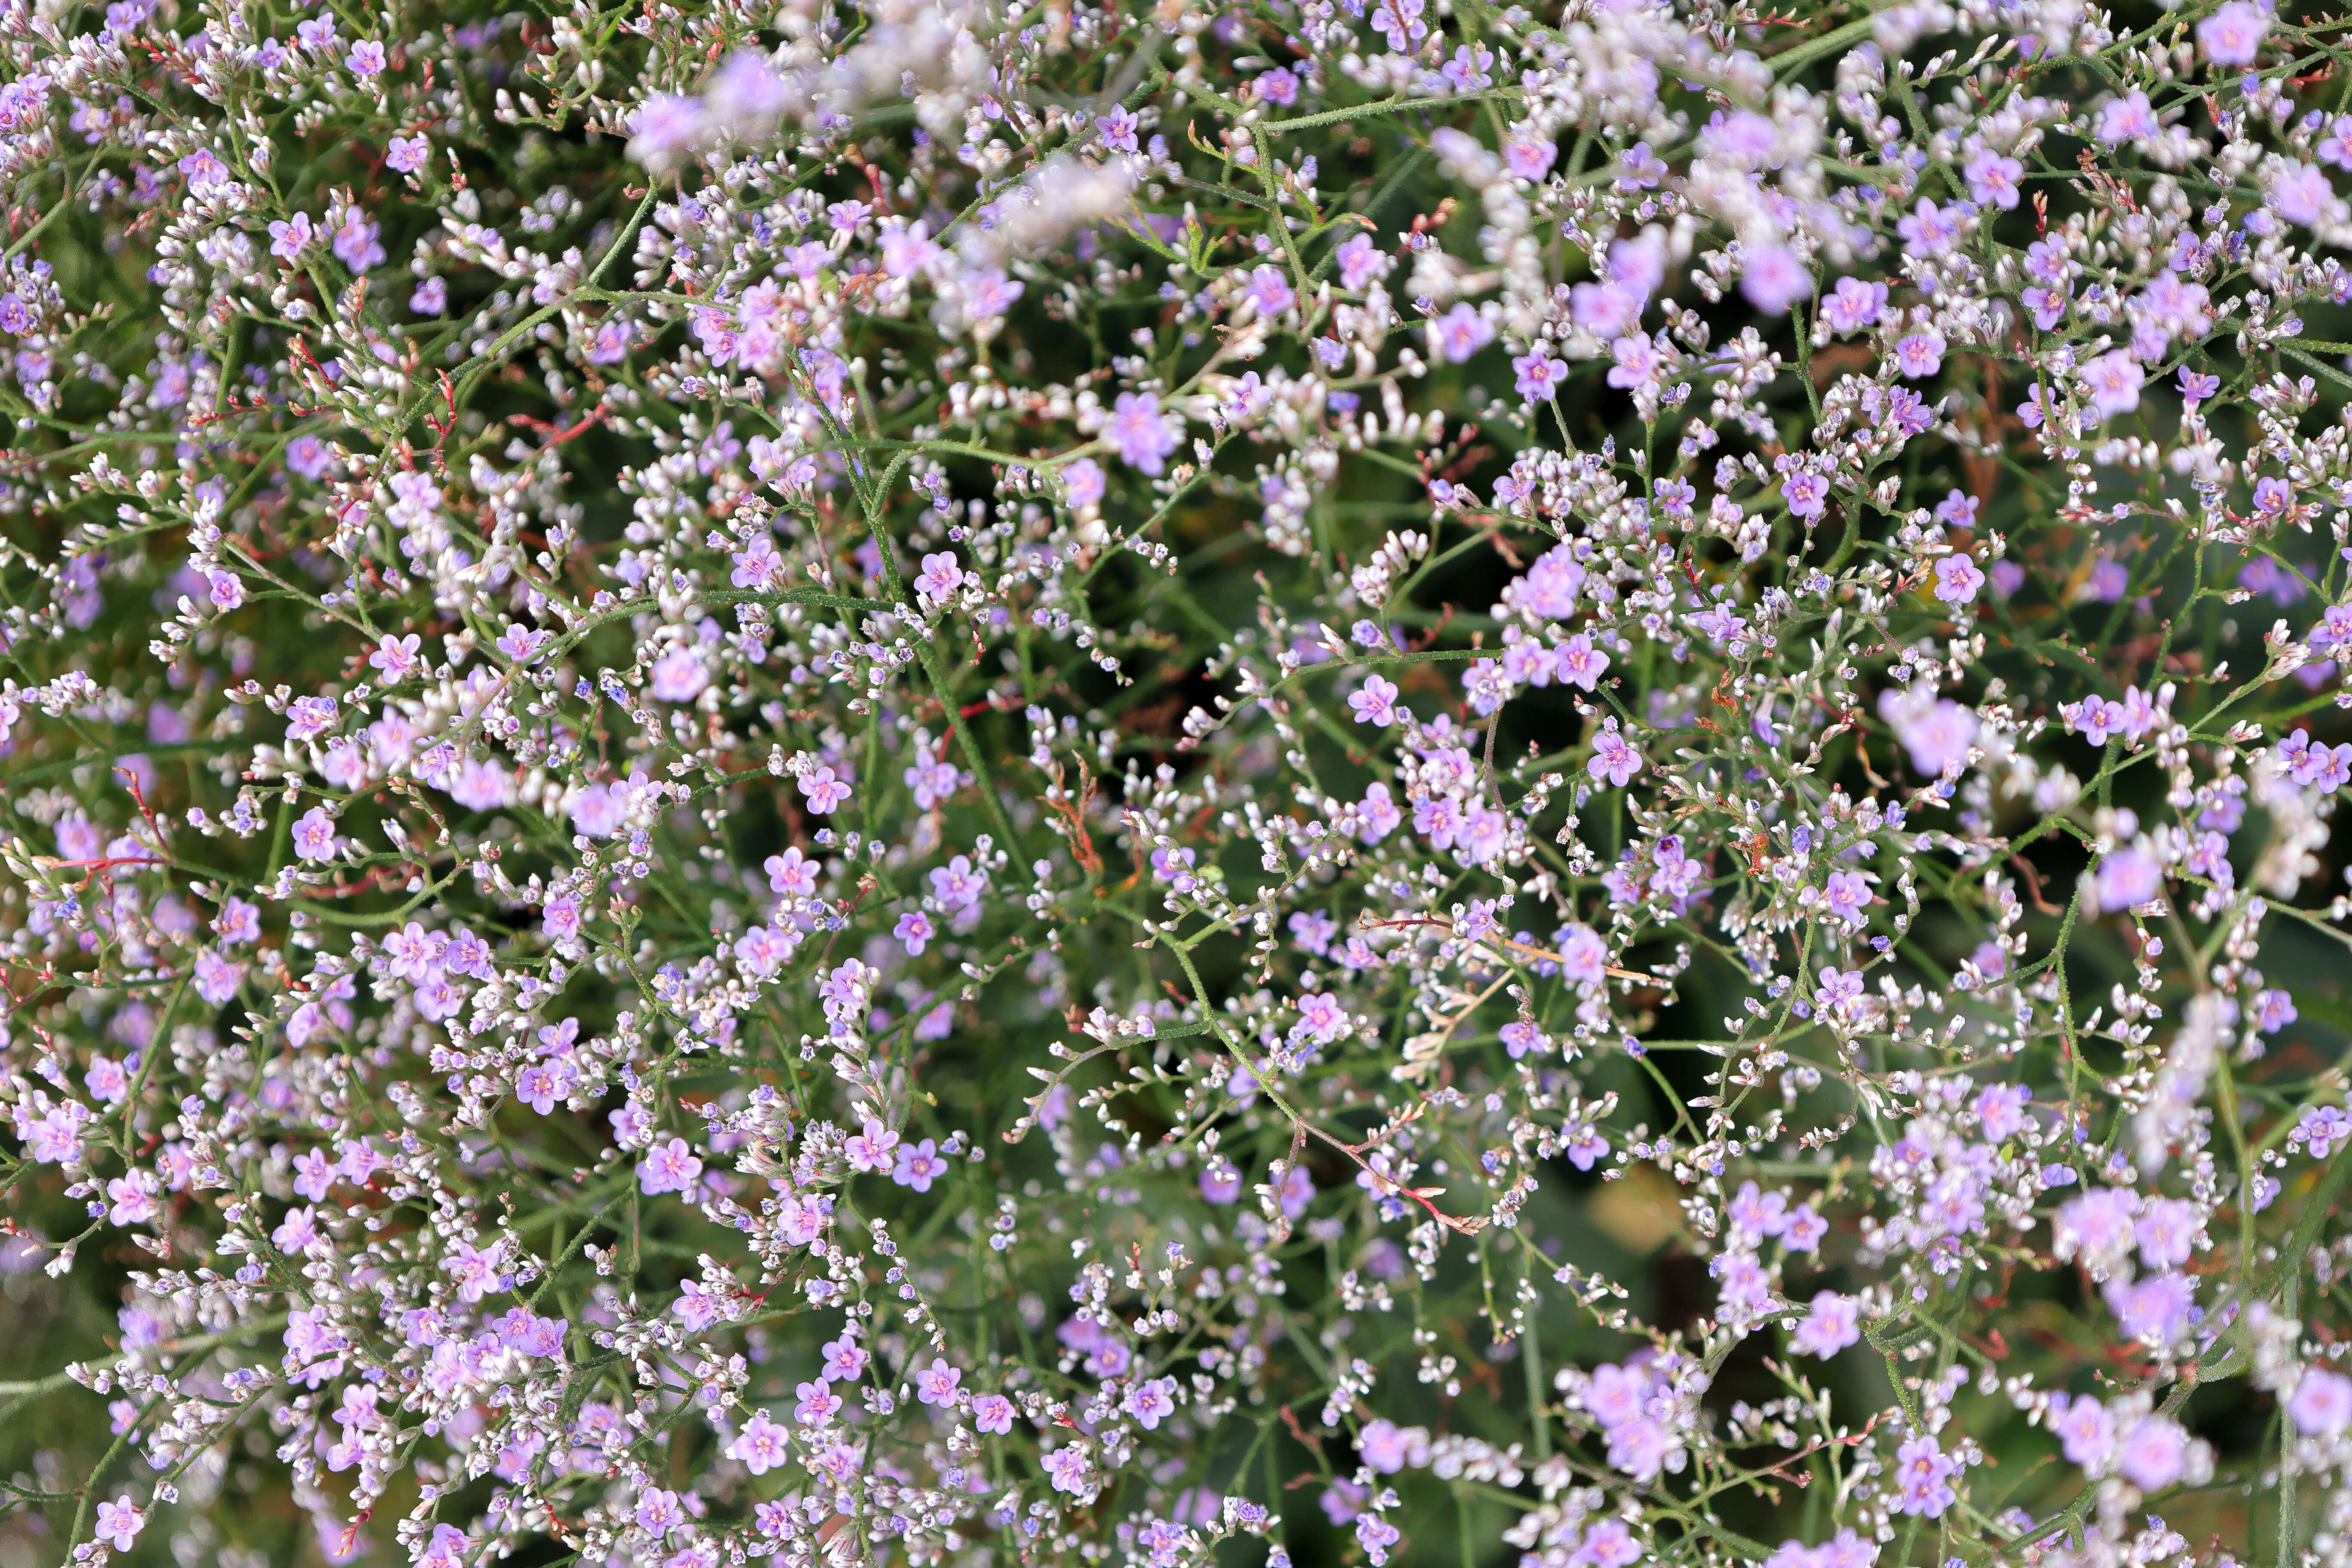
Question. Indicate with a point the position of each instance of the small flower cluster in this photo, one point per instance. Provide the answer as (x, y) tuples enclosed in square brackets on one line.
[(1156, 784)]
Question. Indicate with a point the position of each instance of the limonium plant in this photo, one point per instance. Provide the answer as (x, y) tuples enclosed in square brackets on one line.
[(1164, 781)]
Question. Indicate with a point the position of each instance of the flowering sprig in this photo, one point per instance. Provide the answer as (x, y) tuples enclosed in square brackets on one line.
[(882, 783)]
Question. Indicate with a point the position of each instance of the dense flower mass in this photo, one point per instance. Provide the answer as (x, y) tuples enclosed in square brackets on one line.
[(1168, 781)]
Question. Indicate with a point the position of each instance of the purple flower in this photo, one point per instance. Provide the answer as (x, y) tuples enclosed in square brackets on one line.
[(1361, 262), (1295, 1193), (1082, 482), (1845, 895), (1374, 702), (667, 128), (1387, 1447), (913, 931), (1538, 375), (1807, 493), (668, 1167), (2113, 382), (941, 576), (1935, 732), (762, 1445), (2168, 1232), (1117, 127), (1139, 433), (938, 1386), (678, 676), (2300, 192), (1742, 137), (2154, 1454), (1934, 231), (1833, 1324), (1069, 1470), (396, 657), (1612, 758), (289, 238), (314, 835), (1376, 1535), (2085, 1432), (825, 790), (2157, 1310), (1923, 1475), (1639, 168), (1853, 305), (2127, 118), (1528, 157), (815, 1405), (919, 1165), (2095, 1228), (1958, 580), (1579, 663), (873, 1148), (1919, 353), (1459, 333), (2233, 36), (1220, 1183), (1992, 178), (1774, 278), (1400, 22), (447, 1549), (1466, 71), (119, 1522), (2321, 1404), (1642, 1449), (408, 154), (543, 1084), (845, 1359), (1270, 291), (2125, 878), (2110, 579), (1583, 955), (1151, 1403), (597, 810)]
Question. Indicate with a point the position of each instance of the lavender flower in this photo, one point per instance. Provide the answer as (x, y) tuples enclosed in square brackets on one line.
[(967, 769)]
